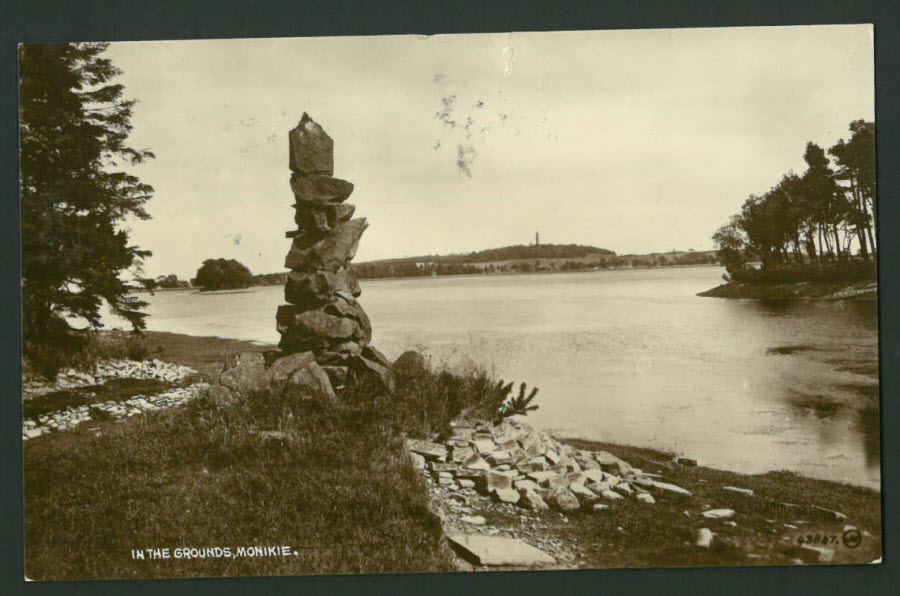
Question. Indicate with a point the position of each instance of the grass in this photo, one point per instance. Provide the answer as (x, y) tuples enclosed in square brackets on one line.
[(662, 535), (339, 489)]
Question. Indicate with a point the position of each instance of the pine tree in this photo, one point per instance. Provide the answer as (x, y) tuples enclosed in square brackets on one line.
[(76, 191)]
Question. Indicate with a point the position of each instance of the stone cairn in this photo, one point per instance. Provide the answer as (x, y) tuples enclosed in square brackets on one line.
[(322, 315), (325, 333)]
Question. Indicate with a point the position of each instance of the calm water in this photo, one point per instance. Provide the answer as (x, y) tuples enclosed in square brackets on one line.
[(631, 357)]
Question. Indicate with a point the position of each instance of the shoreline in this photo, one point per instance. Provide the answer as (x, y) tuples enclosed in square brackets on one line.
[(190, 347), (863, 291), (170, 451)]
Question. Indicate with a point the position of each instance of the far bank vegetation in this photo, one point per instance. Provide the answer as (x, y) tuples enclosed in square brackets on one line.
[(818, 226)]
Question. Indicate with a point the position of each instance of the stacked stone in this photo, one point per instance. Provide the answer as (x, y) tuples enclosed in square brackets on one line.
[(322, 315)]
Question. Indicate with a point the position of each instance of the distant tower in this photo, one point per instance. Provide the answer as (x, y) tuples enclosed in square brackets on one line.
[(537, 239)]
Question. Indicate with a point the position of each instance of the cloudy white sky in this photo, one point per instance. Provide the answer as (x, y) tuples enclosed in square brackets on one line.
[(636, 141)]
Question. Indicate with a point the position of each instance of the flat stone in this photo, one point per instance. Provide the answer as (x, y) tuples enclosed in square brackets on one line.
[(670, 488), (320, 189), (525, 485), (735, 489), (596, 507), (311, 149), (718, 513), (646, 498), (466, 482), (494, 551), (430, 451), (611, 495), (485, 446), (475, 520), (505, 495), (583, 493), (704, 537)]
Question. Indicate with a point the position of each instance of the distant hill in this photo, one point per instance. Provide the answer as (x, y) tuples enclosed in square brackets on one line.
[(506, 253), (513, 259)]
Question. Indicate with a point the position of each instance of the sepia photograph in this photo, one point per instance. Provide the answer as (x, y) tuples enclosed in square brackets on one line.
[(449, 303)]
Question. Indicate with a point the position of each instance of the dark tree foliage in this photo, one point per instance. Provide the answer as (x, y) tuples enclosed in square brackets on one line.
[(76, 190), (820, 213), (223, 274)]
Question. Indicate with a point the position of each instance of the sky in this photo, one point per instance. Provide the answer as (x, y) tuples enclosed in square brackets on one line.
[(636, 140)]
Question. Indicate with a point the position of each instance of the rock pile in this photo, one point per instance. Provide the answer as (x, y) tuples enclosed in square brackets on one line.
[(322, 315), (138, 404), (110, 369), (515, 464)]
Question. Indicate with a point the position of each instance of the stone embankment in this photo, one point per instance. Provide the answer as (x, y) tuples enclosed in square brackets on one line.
[(71, 417), (109, 369), (139, 404)]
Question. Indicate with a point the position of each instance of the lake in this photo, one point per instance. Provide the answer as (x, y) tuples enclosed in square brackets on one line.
[(628, 356)]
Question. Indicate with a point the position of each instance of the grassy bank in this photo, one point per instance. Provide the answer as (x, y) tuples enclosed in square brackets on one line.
[(796, 291), (664, 535), (338, 488)]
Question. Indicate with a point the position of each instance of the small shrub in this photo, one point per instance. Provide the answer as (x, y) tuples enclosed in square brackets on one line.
[(425, 402)]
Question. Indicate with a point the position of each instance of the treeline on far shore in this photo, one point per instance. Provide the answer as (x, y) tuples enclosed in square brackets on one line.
[(818, 226), (218, 274), (412, 268)]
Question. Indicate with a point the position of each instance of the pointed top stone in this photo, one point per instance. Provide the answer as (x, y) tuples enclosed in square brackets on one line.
[(311, 149)]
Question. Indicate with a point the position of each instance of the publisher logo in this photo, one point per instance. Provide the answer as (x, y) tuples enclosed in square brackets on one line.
[(851, 538)]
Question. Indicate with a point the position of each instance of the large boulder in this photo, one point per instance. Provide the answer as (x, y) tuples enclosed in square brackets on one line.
[(298, 376), (242, 372), (320, 189), (410, 364), (311, 149), (369, 371), (311, 252)]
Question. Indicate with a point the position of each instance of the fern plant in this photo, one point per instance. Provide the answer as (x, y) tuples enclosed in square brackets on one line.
[(515, 406)]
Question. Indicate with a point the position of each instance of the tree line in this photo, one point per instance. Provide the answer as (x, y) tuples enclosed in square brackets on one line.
[(816, 217)]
